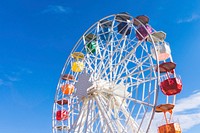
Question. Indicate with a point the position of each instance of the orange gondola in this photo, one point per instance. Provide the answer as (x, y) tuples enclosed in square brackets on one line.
[(169, 127), (67, 89)]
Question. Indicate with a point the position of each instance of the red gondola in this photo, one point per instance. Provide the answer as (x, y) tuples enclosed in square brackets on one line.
[(171, 85), (62, 115)]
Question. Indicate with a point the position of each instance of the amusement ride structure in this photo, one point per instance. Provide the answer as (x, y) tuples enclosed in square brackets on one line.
[(111, 81)]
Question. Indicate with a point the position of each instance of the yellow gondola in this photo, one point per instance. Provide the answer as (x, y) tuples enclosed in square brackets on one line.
[(77, 64)]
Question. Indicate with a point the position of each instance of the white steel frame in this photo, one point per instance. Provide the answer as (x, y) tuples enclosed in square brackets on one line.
[(122, 60)]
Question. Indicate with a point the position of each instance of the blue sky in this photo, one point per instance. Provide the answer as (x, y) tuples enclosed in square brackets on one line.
[(37, 36)]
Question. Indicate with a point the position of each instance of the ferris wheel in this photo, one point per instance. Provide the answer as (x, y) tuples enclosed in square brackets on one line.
[(110, 81)]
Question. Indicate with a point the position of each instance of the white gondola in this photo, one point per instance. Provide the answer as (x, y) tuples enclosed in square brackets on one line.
[(163, 50)]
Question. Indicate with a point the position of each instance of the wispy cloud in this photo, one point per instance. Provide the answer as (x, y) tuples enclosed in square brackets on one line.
[(6, 83), (189, 19), (12, 78), (187, 111), (57, 9), (7, 79), (189, 103), (187, 121)]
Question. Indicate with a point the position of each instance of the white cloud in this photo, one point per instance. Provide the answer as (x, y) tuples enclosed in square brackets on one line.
[(187, 110), (187, 121), (57, 9), (189, 19), (186, 104)]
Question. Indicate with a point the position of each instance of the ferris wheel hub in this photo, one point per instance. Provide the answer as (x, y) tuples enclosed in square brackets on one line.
[(109, 90)]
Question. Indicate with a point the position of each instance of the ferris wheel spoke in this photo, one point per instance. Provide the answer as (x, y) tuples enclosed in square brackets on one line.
[(104, 59), (142, 81), (103, 126), (111, 54), (103, 54), (89, 64), (132, 76), (101, 122), (130, 121), (102, 66), (137, 67), (118, 53), (114, 112), (124, 49), (104, 114), (88, 116), (119, 58), (124, 59), (93, 123), (129, 98), (115, 109), (124, 68), (78, 125), (133, 72)]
